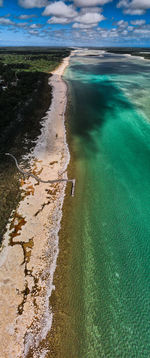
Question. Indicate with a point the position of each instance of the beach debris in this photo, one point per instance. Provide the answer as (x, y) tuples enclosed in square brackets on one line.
[(28, 174), (73, 187)]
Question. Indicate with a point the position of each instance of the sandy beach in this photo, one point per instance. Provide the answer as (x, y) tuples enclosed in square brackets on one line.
[(30, 245)]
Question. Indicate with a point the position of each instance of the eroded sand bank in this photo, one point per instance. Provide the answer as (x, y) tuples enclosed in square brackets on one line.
[(30, 247)]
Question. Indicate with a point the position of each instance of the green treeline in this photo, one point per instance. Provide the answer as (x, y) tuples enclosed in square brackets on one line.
[(25, 96), (24, 89), (144, 52)]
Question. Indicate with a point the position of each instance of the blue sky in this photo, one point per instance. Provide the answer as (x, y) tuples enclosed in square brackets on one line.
[(75, 23)]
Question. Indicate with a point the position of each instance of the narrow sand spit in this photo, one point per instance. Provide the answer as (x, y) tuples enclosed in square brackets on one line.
[(30, 247)]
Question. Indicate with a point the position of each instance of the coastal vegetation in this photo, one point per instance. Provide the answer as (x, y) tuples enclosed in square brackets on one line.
[(32, 60), (141, 52), (25, 96)]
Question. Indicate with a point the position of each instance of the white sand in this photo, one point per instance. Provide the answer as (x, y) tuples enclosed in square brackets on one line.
[(33, 228)]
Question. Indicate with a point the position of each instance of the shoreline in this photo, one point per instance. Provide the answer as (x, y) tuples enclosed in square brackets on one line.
[(64, 332), (128, 55), (20, 140), (30, 246)]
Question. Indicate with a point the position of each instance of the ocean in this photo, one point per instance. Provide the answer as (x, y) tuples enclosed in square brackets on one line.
[(107, 225)]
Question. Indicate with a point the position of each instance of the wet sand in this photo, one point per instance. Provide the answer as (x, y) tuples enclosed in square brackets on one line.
[(30, 245)]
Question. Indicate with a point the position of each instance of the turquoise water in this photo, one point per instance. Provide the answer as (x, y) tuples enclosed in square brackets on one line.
[(110, 140)]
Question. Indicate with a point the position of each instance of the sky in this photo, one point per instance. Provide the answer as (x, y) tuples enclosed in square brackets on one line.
[(75, 23)]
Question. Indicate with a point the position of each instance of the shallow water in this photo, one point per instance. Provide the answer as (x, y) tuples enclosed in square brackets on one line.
[(110, 233)]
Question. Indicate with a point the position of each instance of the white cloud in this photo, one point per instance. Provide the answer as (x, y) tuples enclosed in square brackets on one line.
[(33, 32), (111, 36), (77, 25), (59, 8), (122, 23), (130, 33), (87, 3), (4, 21), (134, 11), (21, 24), (29, 4), (106, 34), (1, 2), (84, 10), (124, 33), (24, 17), (59, 20), (89, 18), (134, 7), (142, 32), (35, 26), (141, 4), (130, 28), (138, 22), (64, 14)]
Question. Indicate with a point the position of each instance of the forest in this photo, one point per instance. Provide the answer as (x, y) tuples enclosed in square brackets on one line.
[(136, 51), (25, 96)]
